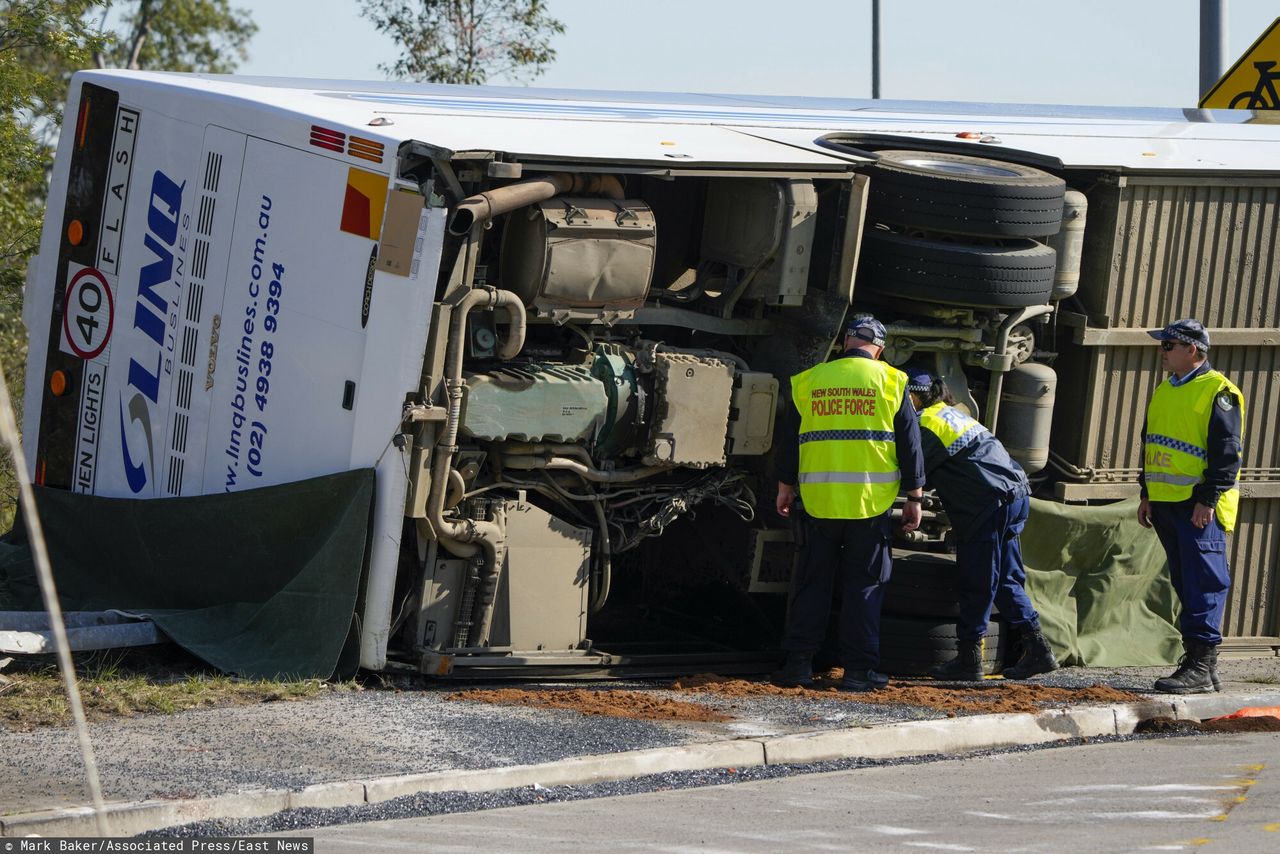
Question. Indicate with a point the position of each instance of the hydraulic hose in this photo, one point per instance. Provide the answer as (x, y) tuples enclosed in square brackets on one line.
[(531, 461)]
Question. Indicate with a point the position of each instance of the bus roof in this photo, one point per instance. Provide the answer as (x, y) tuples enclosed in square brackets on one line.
[(705, 129)]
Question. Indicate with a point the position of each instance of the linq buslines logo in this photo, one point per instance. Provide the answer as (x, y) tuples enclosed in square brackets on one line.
[(155, 290)]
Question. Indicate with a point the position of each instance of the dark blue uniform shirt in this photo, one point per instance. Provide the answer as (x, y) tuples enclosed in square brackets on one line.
[(976, 481)]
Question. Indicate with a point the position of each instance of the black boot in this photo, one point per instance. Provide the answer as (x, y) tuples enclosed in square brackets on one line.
[(965, 667), (1036, 657), (858, 681), (1195, 671), (796, 672), (1213, 669)]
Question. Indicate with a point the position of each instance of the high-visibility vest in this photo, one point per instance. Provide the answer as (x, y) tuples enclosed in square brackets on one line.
[(848, 456), (953, 428), (1176, 452)]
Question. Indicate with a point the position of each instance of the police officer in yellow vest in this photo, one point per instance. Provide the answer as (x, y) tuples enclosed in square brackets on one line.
[(987, 498), (1190, 462), (850, 442)]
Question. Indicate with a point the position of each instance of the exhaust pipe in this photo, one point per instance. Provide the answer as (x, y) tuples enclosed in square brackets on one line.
[(483, 207)]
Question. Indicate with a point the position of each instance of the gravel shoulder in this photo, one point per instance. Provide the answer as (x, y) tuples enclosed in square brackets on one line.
[(419, 727)]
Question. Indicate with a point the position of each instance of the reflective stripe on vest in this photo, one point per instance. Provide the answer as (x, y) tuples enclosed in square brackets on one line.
[(953, 428), (1175, 454), (850, 476), (848, 452)]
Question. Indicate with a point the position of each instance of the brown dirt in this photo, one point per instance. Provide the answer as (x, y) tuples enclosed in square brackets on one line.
[(618, 704), (1242, 725), (992, 697), (1166, 725), (1252, 724)]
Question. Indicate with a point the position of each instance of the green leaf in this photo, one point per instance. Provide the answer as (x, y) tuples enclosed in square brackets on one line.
[(466, 41)]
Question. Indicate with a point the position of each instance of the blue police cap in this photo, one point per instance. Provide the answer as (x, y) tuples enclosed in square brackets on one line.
[(1188, 331), (867, 328), (919, 380)]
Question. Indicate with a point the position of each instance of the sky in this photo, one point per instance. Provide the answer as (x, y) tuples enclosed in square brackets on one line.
[(1100, 52)]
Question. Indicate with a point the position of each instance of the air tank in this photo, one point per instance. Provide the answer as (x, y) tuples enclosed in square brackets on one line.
[(1069, 241), (1026, 414)]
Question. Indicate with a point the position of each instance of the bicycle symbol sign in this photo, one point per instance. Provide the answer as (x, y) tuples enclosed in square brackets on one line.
[(1251, 82)]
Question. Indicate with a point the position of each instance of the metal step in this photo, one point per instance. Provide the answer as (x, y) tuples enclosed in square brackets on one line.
[(618, 663), (1256, 646)]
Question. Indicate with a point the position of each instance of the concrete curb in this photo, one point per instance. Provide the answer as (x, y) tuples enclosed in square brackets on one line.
[(578, 771), (953, 735), (914, 738)]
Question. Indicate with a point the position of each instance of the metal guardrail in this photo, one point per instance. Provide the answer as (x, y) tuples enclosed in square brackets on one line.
[(30, 632)]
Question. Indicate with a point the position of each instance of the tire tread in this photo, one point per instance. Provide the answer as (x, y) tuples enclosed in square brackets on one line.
[(1028, 204)]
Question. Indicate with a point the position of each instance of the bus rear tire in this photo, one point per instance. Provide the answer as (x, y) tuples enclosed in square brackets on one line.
[(912, 646), (959, 194), (923, 585), (1016, 274)]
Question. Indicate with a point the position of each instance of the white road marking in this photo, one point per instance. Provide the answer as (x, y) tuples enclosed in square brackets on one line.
[(1181, 799), (1159, 815), (1163, 787), (889, 830), (1071, 817)]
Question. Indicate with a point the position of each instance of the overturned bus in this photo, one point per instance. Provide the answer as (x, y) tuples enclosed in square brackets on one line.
[(559, 325)]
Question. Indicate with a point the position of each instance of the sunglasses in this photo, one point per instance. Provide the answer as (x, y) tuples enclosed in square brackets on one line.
[(1169, 345)]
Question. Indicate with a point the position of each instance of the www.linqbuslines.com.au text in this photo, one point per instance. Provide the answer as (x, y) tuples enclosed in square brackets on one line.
[(224, 845)]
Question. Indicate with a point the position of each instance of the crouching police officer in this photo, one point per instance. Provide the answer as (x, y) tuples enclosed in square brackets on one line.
[(1190, 461), (987, 497), (850, 441)]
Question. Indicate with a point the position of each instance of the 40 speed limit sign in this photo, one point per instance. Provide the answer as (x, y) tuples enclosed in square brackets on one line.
[(88, 312)]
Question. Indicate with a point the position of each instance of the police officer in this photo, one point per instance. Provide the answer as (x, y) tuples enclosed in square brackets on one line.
[(987, 497), (849, 442), (1190, 461)]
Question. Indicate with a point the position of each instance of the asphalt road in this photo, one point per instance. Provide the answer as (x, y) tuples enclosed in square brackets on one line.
[(1203, 793)]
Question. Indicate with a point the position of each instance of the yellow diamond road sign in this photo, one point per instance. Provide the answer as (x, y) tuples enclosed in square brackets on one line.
[(1251, 84)]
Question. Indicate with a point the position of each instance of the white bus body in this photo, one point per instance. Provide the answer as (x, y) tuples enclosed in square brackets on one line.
[(248, 281)]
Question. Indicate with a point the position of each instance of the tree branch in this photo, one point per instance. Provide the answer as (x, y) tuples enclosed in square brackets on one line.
[(141, 29)]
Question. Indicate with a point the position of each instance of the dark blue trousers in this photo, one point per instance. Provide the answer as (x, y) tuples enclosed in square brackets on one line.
[(857, 552), (989, 560), (1197, 567)]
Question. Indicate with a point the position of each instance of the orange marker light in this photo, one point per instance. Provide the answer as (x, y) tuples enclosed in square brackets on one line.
[(82, 123), (40, 473), (58, 383), (75, 232)]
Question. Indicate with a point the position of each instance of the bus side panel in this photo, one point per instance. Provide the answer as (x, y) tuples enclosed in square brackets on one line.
[(290, 342), (211, 314)]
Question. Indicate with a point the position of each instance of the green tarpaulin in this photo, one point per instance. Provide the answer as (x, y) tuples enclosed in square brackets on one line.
[(265, 583), (260, 583), (1099, 581)]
